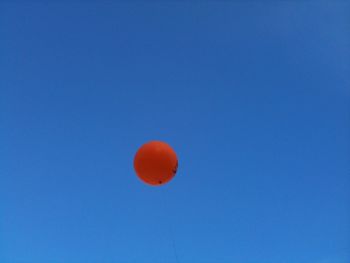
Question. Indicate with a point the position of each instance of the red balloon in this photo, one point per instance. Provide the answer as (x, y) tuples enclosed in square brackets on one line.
[(155, 163)]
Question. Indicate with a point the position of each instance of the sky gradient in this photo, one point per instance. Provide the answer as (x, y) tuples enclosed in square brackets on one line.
[(253, 97)]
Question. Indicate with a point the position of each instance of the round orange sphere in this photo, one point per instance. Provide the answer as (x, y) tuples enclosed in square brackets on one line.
[(155, 163)]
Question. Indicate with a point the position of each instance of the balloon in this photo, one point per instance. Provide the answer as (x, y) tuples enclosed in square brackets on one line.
[(155, 163)]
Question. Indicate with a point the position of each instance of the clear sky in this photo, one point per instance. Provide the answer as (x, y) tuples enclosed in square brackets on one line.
[(254, 97)]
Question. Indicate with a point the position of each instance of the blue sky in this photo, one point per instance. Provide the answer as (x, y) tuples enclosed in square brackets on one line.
[(254, 98)]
